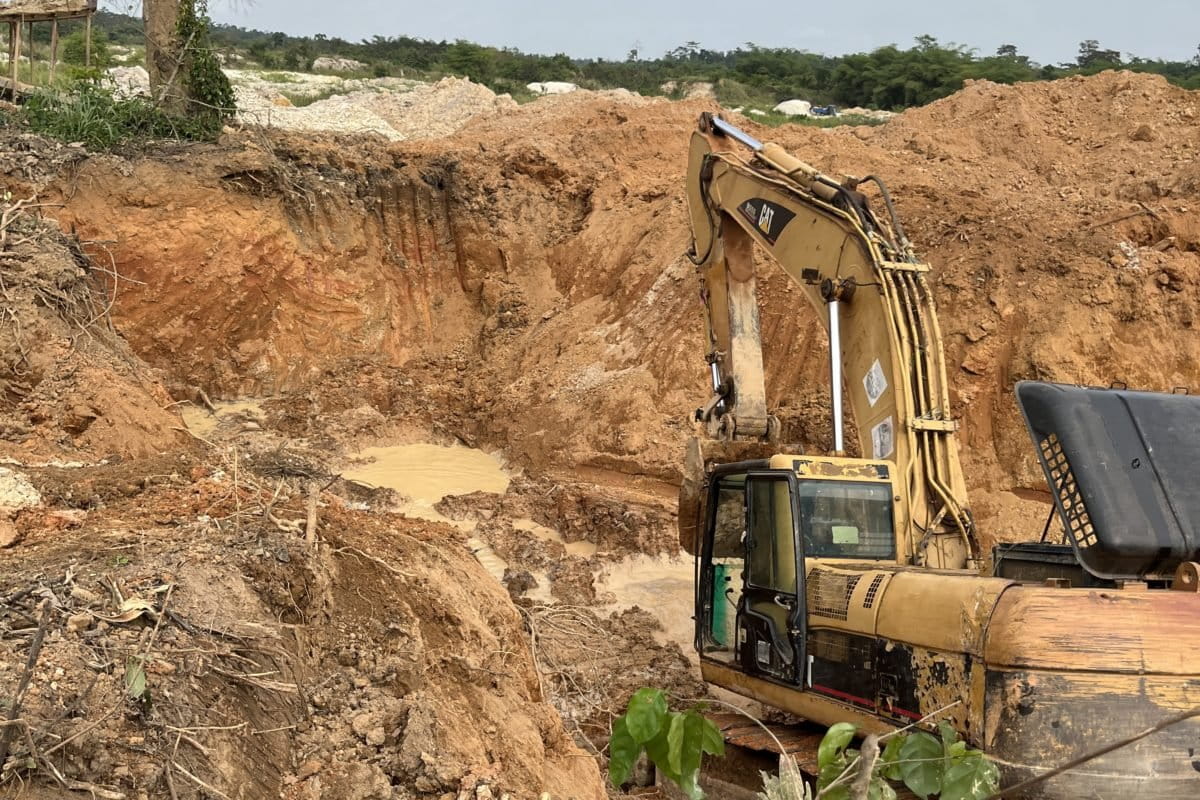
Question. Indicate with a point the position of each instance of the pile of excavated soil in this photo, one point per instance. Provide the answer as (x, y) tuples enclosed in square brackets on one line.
[(188, 632), (70, 389), (415, 111), (520, 285), (533, 261), (394, 108)]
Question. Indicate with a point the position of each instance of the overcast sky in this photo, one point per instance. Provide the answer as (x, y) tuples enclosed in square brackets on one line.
[(1049, 31)]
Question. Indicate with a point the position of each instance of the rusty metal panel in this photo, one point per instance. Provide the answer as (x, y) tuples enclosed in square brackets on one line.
[(811, 706), (1106, 630), (916, 682), (1037, 720), (799, 741)]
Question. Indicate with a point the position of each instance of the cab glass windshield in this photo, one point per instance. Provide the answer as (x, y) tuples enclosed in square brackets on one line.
[(847, 520)]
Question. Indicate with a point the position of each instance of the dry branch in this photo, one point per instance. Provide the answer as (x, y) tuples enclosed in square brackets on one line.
[(35, 649)]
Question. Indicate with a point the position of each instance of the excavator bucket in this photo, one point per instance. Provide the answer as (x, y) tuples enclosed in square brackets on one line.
[(702, 455)]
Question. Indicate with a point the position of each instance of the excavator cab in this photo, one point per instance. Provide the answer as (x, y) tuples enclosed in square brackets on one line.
[(764, 523)]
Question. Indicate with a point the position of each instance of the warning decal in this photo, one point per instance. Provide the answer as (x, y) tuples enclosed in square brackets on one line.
[(883, 442), (875, 383)]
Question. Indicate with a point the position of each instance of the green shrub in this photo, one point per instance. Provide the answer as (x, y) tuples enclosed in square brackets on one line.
[(301, 100), (209, 93), (92, 115), (91, 74), (513, 88), (74, 50)]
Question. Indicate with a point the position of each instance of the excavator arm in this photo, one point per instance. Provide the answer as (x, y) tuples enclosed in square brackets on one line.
[(859, 274)]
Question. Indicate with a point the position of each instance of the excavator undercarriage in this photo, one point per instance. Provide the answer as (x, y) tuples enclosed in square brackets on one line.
[(852, 589)]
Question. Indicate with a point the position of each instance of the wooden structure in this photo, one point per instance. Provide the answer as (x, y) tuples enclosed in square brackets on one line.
[(24, 13)]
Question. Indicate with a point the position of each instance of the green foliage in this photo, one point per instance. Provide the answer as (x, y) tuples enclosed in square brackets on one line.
[(472, 60), (209, 93), (675, 741), (889, 77), (930, 766), (74, 49), (90, 114), (301, 100)]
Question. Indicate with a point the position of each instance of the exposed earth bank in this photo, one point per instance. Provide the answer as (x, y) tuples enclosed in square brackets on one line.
[(530, 267), (221, 609)]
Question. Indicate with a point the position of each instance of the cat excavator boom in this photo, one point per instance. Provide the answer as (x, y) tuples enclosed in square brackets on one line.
[(860, 274), (844, 587)]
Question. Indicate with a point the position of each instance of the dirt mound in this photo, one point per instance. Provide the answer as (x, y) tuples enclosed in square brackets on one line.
[(534, 262), (70, 388), (519, 284), (219, 648), (393, 108)]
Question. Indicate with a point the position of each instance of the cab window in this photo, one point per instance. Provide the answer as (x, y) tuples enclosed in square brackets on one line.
[(771, 558), (847, 520), (729, 525)]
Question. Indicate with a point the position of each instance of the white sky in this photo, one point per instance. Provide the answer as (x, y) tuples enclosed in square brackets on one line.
[(1049, 31)]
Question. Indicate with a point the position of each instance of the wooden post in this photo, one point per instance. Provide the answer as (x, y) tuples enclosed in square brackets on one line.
[(53, 48), (87, 41), (12, 54), (15, 50), (32, 76)]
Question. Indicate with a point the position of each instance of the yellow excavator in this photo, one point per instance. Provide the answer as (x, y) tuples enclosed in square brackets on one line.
[(842, 588)]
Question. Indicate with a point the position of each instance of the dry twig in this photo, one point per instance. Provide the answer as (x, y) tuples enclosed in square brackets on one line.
[(35, 649)]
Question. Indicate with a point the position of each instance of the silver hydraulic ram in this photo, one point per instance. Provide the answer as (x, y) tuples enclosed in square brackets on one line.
[(834, 293), (835, 374), (736, 133)]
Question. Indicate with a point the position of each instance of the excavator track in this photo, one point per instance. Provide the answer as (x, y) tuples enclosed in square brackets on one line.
[(750, 750)]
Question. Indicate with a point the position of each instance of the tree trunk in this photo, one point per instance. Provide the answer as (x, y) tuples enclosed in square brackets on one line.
[(164, 54)]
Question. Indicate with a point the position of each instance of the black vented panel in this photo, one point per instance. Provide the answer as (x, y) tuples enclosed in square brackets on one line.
[(872, 591), (1066, 489), (829, 593)]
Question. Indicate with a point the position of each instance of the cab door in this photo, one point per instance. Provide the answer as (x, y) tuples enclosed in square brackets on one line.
[(772, 614)]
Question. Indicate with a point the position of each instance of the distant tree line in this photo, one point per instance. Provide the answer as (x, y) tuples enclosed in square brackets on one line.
[(889, 77)]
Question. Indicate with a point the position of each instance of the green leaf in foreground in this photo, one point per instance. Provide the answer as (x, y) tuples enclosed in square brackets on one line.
[(887, 759), (835, 741), (622, 753), (646, 714), (675, 733), (972, 777), (922, 766), (712, 741)]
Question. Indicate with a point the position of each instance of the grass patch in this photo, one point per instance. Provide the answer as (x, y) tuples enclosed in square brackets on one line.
[(278, 77), (774, 120), (91, 115), (515, 89), (300, 100)]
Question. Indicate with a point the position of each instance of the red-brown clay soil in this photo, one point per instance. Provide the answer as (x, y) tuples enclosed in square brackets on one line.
[(520, 285), (532, 264)]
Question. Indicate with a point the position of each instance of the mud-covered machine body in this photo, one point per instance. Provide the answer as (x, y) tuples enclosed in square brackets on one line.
[(850, 589)]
